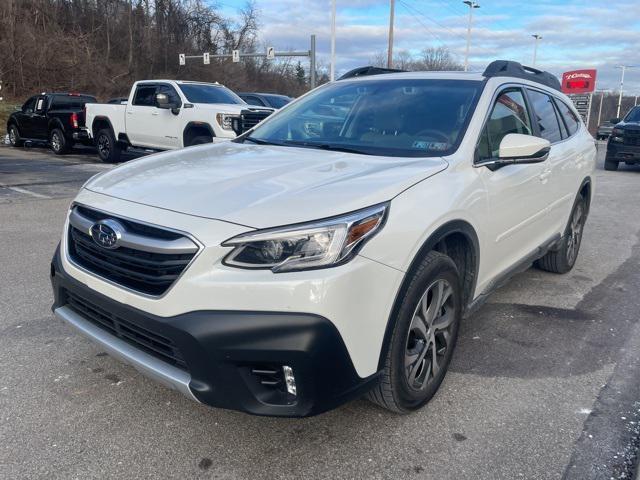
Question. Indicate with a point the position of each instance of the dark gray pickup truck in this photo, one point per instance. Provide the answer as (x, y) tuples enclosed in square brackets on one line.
[(624, 142)]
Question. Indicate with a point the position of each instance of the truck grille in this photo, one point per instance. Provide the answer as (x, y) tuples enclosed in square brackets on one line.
[(250, 118), (150, 342), (147, 272), (632, 137)]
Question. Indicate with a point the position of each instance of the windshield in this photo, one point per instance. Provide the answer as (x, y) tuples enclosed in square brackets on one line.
[(277, 101), (633, 115), (203, 93), (400, 117)]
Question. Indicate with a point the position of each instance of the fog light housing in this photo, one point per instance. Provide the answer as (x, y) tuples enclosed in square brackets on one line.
[(289, 379)]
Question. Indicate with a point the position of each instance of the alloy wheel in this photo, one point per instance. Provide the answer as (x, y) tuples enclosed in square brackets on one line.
[(430, 335), (575, 233), (104, 146), (12, 136), (56, 143)]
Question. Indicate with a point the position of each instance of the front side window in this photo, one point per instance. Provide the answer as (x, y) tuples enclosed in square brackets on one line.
[(545, 116), (203, 93), (145, 96), (399, 117), (508, 115), (40, 104), (171, 94)]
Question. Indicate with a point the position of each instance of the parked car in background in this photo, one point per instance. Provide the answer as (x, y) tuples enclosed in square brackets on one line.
[(169, 114), (55, 118), (292, 269), (272, 100), (605, 129), (624, 142)]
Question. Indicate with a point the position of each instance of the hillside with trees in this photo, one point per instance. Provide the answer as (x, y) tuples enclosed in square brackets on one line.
[(102, 46)]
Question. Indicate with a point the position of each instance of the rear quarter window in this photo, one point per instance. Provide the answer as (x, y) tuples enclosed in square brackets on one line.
[(544, 115), (570, 119)]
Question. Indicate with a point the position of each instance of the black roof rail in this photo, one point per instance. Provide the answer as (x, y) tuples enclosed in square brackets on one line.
[(370, 70), (508, 68)]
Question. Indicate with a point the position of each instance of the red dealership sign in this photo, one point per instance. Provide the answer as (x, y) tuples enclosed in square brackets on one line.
[(579, 81)]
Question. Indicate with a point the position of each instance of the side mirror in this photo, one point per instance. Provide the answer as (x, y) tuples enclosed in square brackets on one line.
[(17, 108), (162, 101), (615, 120), (519, 148)]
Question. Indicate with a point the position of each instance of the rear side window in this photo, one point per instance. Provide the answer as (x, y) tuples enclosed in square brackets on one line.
[(70, 102), (544, 114), (508, 115), (570, 118), (145, 96)]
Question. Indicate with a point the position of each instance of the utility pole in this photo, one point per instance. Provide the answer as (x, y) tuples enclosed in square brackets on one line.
[(472, 6), (600, 109), (392, 8), (535, 48), (623, 68), (332, 76)]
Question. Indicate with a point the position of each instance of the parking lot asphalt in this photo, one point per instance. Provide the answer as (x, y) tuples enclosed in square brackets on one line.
[(545, 382)]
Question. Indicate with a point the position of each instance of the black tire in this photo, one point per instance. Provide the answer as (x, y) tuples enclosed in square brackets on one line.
[(402, 389), (200, 140), (58, 142), (14, 136), (108, 147), (564, 258), (611, 165)]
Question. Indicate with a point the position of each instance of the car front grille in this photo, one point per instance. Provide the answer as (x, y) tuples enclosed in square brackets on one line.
[(150, 342), (149, 272), (632, 137), (250, 118)]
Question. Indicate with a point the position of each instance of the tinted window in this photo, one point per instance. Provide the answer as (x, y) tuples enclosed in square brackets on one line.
[(170, 92), (400, 117), (70, 102), (545, 116), (203, 93), (277, 101), (251, 100), (508, 115), (40, 104), (570, 118), (633, 115), (29, 105), (145, 96)]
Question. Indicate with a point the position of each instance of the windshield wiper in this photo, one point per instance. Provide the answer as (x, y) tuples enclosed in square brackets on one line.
[(325, 146), (259, 141)]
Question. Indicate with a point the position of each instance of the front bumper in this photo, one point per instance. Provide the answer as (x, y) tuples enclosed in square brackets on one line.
[(222, 349), (623, 153)]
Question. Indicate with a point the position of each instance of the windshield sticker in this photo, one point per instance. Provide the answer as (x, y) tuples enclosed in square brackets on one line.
[(424, 145)]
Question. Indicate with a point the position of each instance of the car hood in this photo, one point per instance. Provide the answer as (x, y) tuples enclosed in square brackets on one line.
[(262, 185)]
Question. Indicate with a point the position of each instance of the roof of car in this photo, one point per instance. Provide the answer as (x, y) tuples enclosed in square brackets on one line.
[(193, 82), (265, 93)]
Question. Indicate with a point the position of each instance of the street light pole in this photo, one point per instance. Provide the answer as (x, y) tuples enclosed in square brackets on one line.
[(471, 6), (623, 68), (392, 7), (332, 75), (535, 48)]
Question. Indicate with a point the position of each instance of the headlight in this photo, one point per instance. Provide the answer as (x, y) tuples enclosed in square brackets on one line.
[(225, 120), (616, 135), (321, 244)]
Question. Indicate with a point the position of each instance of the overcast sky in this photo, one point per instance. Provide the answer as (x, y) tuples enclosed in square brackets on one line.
[(576, 33)]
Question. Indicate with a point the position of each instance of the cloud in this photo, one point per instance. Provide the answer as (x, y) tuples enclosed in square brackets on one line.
[(576, 33)]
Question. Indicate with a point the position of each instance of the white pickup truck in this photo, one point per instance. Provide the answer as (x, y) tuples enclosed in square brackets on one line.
[(169, 114)]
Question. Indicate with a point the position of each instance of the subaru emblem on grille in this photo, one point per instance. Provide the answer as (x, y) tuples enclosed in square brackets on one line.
[(106, 233)]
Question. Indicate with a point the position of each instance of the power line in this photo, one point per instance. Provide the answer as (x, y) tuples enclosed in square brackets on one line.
[(429, 31), (416, 11)]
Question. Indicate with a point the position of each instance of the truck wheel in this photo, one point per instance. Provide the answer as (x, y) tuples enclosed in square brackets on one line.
[(200, 140), (108, 148), (58, 142), (14, 137), (610, 165), (563, 259), (423, 338)]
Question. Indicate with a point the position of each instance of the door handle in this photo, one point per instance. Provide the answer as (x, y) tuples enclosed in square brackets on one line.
[(129, 113), (154, 113)]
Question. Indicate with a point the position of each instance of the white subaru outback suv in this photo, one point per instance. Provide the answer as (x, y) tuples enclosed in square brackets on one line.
[(332, 250)]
